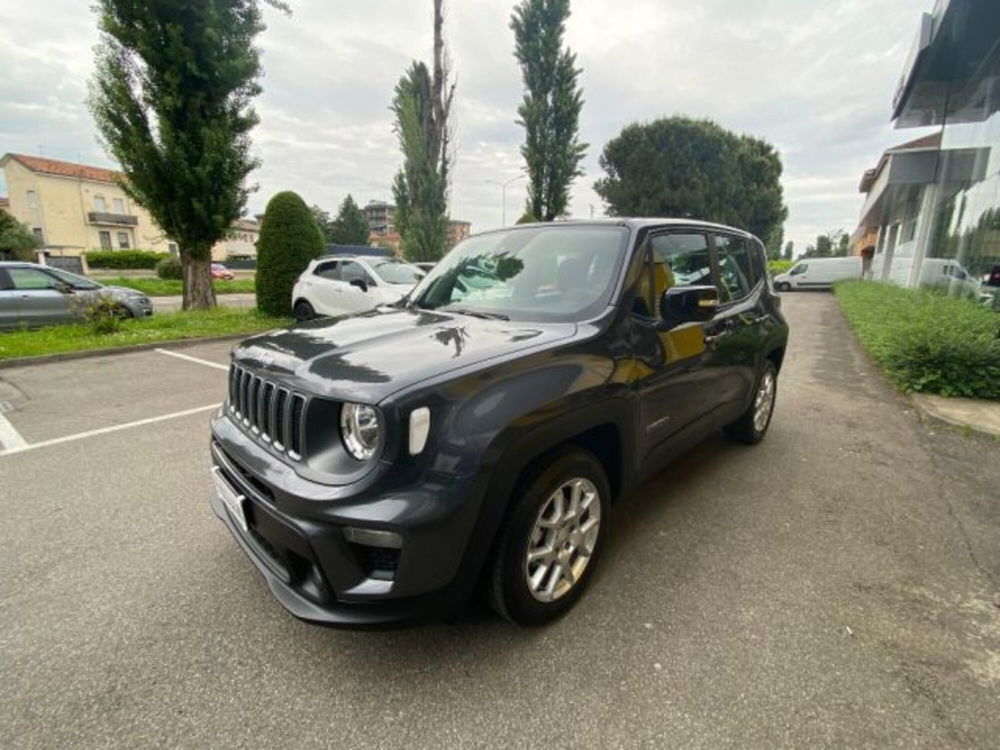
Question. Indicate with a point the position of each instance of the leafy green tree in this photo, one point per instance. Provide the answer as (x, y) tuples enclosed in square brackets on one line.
[(687, 168), (324, 222), (289, 239), (789, 249), (16, 240), (171, 98), (350, 227), (422, 105), (550, 109)]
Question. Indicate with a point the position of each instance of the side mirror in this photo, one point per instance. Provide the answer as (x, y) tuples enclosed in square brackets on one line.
[(360, 284), (64, 287), (688, 304)]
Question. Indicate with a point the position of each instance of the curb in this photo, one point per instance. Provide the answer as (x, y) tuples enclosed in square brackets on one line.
[(45, 359), (930, 412)]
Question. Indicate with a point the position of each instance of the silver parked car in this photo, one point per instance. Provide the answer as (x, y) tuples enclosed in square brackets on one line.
[(32, 295)]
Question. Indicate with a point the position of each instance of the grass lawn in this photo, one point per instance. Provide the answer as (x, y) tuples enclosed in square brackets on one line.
[(161, 327), (156, 287), (924, 340)]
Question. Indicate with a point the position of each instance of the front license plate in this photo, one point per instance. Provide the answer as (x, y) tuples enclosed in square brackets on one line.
[(232, 501)]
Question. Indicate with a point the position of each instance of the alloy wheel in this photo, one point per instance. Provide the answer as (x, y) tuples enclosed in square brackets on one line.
[(563, 539), (763, 401)]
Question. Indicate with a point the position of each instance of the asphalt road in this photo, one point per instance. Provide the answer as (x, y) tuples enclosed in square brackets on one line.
[(834, 586)]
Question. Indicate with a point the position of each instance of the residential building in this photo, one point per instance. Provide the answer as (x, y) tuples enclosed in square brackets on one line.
[(458, 231), (939, 196), (73, 208), (381, 217)]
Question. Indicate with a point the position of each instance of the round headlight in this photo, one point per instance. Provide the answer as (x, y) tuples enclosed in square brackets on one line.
[(360, 430)]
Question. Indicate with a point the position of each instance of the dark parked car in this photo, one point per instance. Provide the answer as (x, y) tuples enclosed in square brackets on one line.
[(384, 466), (32, 295)]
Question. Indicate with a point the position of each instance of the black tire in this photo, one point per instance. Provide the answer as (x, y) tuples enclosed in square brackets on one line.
[(508, 587), (303, 311), (746, 429), (123, 313), (784, 286)]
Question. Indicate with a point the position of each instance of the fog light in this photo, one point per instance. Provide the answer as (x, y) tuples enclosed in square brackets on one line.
[(420, 426), (373, 537)]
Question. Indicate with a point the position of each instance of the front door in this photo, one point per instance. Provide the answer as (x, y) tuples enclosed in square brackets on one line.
[(674, 383), (354, 298), (39, 301)]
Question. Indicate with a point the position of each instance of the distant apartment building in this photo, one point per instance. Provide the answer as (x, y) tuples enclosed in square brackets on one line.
[(458, 231), (381, 217), (939, 196), (74, 208)]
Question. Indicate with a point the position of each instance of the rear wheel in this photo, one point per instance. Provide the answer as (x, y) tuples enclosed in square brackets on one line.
[(752, 425), (303, 311), (552, 539)]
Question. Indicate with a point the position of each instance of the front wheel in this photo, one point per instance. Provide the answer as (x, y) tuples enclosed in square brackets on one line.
[(784, 286), (752, 425), (551, 541)]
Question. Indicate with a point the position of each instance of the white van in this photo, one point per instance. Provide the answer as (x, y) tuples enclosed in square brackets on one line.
[(940, 273), (818, 273)]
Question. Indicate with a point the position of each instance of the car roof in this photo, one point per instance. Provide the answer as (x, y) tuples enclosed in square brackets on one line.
[(630, 222)]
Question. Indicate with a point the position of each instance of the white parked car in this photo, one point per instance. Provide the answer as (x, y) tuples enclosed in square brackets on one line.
[(939, 273), (344, 285), (818, 273)]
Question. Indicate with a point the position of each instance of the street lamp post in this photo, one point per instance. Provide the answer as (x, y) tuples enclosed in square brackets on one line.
[(503, 194)]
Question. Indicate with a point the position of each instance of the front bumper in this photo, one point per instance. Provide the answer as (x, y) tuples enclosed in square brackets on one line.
[(295, 537)]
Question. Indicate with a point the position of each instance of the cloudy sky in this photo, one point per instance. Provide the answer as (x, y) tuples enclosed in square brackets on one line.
[(814, 77)]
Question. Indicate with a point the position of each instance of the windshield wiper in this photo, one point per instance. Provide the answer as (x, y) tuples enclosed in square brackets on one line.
[(476, 313)]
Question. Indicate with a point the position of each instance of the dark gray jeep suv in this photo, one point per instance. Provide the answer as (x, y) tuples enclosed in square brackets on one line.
[(384, 466)]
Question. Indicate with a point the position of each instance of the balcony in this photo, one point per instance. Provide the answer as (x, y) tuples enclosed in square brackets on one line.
[(118, 220)]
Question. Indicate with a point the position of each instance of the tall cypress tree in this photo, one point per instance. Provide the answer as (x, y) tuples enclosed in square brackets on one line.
[(350, 227), (550, 110), (172, 99), (422, 105)]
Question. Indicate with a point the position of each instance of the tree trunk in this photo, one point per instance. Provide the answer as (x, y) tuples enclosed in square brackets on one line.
[(198, 291)]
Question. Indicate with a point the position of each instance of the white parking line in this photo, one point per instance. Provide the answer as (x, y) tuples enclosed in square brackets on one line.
[(102, 431), (205, 362), (10, 439)]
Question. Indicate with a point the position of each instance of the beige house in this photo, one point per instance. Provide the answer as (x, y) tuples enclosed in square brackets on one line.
[(73, 208)]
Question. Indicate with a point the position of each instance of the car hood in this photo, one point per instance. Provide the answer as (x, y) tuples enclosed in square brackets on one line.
[(367, 357), (120, 291)]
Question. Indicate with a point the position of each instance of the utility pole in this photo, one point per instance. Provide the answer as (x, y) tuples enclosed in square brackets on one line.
[(503, 195)]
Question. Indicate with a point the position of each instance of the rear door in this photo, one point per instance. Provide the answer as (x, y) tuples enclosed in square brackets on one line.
[(325, 288), (735, 337), (39, 301)]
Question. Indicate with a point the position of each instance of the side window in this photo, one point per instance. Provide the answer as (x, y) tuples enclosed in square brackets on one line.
[(674, 259), (352, 270), (31, 278), (800, 269), (5, 282), (736, 275), (329, 270)]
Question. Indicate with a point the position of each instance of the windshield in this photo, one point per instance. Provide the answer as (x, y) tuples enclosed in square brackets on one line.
[(77, 282), (555, 272), (396, 272)]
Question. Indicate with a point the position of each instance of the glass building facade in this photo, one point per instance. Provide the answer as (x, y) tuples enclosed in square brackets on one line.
[(952, 82)]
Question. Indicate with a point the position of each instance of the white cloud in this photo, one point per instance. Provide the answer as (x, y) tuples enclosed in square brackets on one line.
[(813, 78)]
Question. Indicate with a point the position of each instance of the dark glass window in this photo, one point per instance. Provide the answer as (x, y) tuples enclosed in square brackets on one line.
[(678, 259), (736, 275)]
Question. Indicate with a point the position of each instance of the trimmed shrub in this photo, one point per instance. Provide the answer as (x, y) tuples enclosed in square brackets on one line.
[(124, 259), (289, 239), (170, 268), (924, 340)]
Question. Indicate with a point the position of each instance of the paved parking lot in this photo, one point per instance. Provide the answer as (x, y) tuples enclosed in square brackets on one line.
[(834, 586)]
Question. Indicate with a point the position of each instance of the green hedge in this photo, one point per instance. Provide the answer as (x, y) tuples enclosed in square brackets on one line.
[(124, 258), (924, 340), (779, 266), (289, 239), (170, 268)]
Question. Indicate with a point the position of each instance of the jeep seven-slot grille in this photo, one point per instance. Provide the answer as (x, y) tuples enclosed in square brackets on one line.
[(267, 409)]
